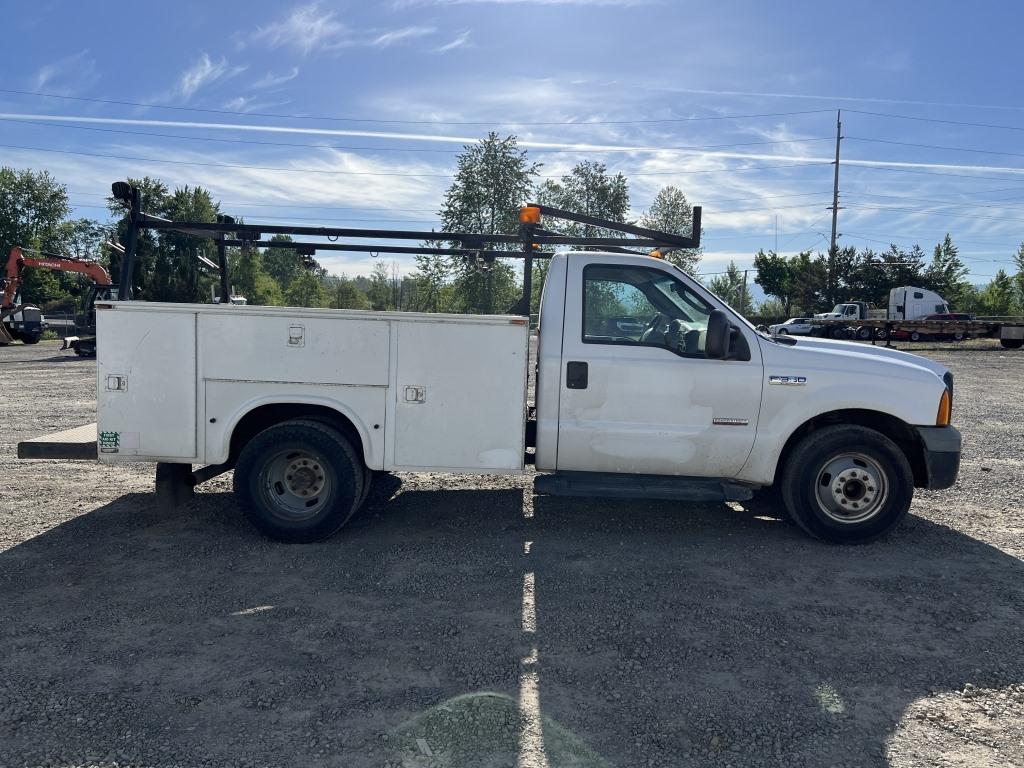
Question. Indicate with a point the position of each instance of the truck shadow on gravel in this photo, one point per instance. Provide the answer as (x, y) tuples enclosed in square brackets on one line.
[(641, 632)]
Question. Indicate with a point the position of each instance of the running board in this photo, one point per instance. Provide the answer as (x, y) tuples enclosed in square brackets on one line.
[(623, 486)]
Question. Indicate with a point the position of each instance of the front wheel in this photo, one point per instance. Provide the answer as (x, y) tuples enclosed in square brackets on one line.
[(782, 332), (847, 484), (299, 481)]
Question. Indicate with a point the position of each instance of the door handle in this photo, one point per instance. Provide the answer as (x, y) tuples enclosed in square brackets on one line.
[(576, 374)]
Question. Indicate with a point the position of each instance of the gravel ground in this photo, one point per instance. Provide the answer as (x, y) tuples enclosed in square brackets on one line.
[(465, 622)]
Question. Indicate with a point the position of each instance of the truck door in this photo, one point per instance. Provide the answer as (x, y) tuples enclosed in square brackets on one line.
[(638, 394)]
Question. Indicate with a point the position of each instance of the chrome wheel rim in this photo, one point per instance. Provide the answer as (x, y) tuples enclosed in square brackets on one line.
[(851, 488), (296, 484)]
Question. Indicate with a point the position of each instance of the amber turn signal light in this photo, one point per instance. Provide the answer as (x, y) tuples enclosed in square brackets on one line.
[(529, 215), (945, 409)]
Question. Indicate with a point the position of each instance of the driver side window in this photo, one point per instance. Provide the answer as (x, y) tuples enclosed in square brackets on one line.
[(641, 306)]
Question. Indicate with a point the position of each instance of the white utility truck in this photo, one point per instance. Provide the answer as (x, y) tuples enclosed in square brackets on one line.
[(692, 403)]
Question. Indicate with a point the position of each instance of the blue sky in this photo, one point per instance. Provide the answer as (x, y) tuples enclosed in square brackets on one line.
[(733, 102)]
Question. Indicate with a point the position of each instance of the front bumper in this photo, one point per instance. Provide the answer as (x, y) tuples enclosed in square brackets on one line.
[(941, 455)]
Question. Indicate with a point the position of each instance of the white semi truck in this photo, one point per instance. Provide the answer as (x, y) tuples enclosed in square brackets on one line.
[(690, 403)]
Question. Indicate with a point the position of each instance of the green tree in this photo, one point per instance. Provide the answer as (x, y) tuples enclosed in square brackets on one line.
[(431, 280), (997, 297), (731, 287), (346, 295), (250, 279), (179, 272), (33, 207), (797, 282), (306, 290), (671, 212), (493, 180), (155, 196), (1018, 280), (380, 293), (946, 274), (590, 190), (282, 264)]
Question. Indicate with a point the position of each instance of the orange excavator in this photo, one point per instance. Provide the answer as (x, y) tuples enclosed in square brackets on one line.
[(24, 322)]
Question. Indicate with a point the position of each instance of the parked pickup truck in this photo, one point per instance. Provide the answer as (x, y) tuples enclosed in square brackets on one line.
[(684, 399), (696, 405)]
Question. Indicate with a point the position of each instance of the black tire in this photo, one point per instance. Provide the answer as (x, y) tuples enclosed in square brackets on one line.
[(881, 334), (782, 332), (916, 336), (30, 338), (864, 333), (959, 336), (849, 462), (323, 465), (1011, 343)]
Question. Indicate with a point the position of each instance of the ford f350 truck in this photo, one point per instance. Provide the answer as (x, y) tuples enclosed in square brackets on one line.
[(690, 403)]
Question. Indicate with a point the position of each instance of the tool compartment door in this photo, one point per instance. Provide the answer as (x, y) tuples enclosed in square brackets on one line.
[(146, 384), (460, 397)]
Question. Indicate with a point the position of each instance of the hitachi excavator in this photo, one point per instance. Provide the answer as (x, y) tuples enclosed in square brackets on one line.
[(24, 321)]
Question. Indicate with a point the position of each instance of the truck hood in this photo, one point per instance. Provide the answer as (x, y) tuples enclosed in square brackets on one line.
[(849, 356)]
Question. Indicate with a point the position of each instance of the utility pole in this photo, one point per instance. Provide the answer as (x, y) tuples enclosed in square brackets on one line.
[(835, 183), (833, 247)]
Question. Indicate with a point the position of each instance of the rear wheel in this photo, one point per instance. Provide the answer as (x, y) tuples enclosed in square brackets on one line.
[(864, 333), (847, 484), (299, 481), (1012, 343), (916, 336)]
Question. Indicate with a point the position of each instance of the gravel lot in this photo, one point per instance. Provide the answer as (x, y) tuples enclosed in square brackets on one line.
[(464, 622)]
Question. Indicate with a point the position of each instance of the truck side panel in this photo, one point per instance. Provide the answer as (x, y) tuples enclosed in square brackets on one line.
[(146, 385), (459, 397), (301, 349)]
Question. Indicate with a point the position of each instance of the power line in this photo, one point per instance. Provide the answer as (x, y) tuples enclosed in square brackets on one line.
[(407, 122), (937, 120), (869, 166), (399, 149), (933, 212), (973, 203), (936, 146)]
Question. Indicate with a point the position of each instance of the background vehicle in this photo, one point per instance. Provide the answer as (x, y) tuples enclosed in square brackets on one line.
[(905, 303), (306, 404), (101, 287), (799, 326)]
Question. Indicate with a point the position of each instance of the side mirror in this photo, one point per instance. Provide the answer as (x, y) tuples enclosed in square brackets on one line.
[(716, 340)]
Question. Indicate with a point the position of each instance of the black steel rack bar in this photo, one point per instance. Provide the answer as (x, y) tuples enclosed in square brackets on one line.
[(228, 233)]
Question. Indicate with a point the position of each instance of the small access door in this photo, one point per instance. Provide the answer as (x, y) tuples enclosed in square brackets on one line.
[(638, 394)]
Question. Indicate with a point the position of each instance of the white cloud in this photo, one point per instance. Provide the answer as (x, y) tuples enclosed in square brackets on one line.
[(310, 28), (271, 80), (397, 35), (67, 75), (203, 73), (307, 28), (461, 41)]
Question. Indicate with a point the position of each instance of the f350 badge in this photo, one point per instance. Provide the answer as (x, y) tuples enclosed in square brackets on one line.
[(792, 381)]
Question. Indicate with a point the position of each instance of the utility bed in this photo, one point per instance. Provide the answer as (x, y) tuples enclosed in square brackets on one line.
[(423, 391)]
